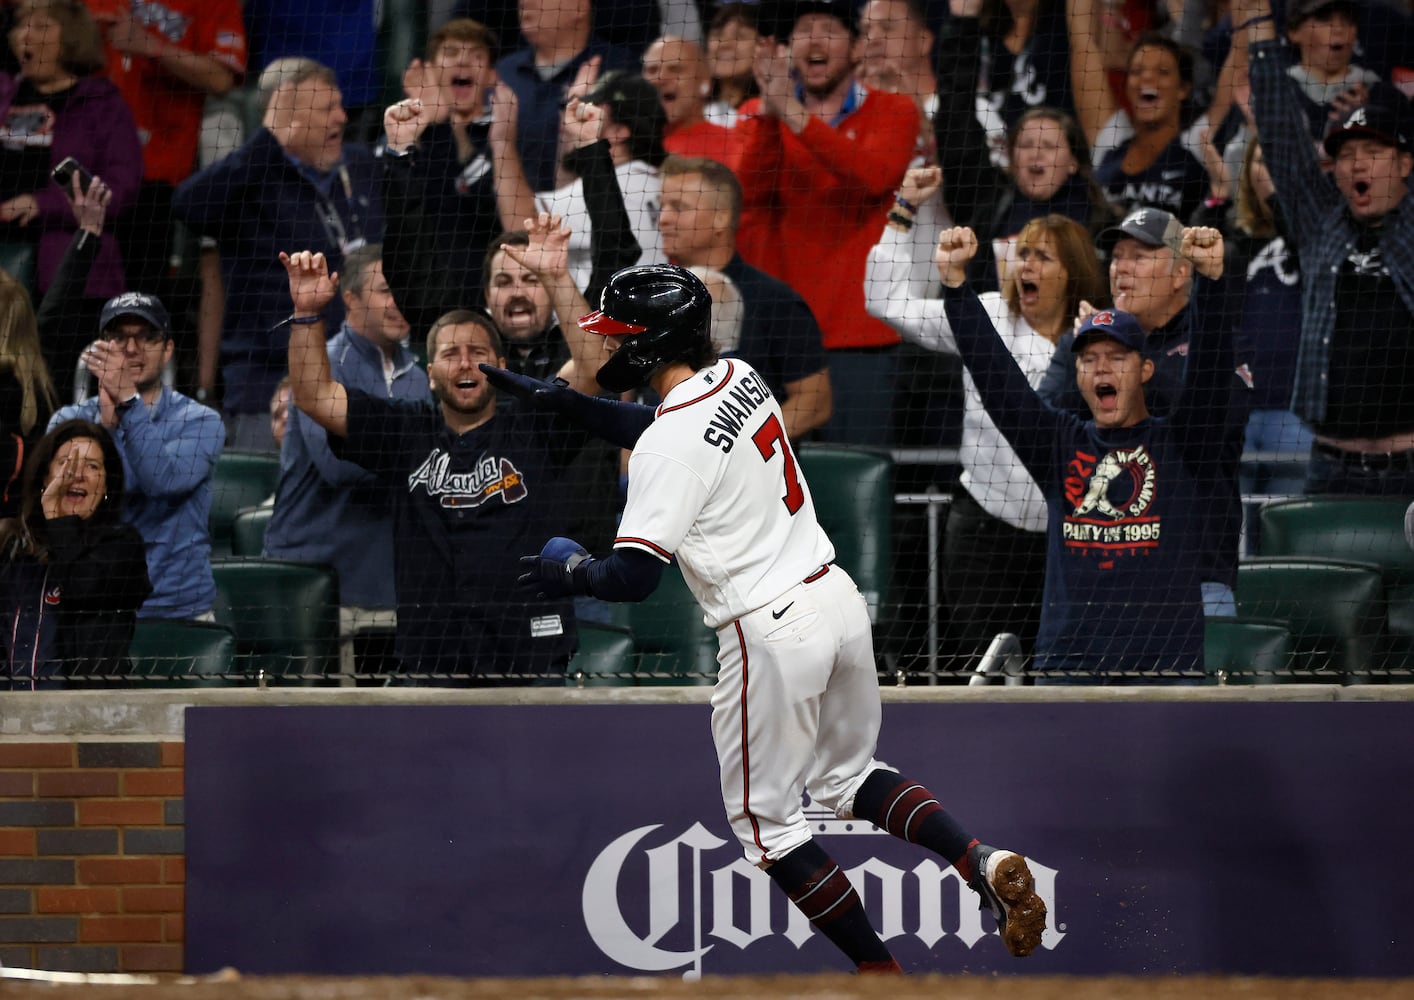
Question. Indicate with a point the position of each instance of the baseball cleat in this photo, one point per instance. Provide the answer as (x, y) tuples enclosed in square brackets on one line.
[(1007, 888)]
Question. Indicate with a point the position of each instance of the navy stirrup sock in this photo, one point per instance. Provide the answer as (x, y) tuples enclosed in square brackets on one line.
[(909, 811), (820, 889)]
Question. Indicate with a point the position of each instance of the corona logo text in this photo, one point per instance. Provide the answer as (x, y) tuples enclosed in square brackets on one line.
[(726, 902)]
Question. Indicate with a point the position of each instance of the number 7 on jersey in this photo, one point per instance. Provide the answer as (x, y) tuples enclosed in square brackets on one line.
[(767, 438)]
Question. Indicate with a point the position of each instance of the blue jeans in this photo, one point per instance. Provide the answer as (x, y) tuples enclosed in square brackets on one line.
[(1276, 431), (1218, 600)]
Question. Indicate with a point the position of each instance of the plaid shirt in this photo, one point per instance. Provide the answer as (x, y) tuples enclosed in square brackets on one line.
[(1324, 232)]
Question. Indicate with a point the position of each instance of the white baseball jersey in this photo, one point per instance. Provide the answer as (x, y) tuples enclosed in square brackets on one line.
[(714, 481)]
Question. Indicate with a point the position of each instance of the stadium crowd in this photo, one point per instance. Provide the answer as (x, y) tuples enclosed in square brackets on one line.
[(906, 211)]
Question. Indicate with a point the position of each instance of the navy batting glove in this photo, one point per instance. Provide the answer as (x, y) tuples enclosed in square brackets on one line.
[(552, 573), (538, 392)]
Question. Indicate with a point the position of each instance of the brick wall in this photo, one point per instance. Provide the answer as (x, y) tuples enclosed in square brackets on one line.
[(92, 858)]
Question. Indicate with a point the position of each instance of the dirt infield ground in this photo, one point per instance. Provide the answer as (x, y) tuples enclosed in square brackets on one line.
[(821, 987)]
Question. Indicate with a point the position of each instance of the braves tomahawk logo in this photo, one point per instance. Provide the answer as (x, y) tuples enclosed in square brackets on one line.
[(491, 477), (697, 908)]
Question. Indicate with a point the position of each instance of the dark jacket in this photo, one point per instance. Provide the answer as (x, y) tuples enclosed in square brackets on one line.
[(256, 203), (96, 128), (73, 615)]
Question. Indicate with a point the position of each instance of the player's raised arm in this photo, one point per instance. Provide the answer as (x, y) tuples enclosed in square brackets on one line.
[(311, 385)]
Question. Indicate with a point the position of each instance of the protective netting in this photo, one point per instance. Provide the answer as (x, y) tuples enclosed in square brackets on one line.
[(903, 212)]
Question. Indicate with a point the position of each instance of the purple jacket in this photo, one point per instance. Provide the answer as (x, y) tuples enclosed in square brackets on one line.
[(97, 129)]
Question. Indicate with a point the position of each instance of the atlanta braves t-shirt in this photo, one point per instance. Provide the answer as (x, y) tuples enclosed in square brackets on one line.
[(466, 508), (1175, 182)]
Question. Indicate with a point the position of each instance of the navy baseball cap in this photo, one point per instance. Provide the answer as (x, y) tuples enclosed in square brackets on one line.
[(1113, 324), (1388, 120), (779, 17), (1151, 226), (148, 308)]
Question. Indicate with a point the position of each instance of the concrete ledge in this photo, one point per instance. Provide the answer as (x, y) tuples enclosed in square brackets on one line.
[(161, 714)]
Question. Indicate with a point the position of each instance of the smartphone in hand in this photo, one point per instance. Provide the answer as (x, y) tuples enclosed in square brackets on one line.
[(65, 171)]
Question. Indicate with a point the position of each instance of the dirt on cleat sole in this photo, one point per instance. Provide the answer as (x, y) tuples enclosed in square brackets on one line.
[(1026, 913)]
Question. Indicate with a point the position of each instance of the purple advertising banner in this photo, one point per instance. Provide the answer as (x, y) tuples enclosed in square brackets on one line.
[(571, 840)]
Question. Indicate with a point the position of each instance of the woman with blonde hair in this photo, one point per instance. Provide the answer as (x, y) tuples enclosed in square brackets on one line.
[(27, 396)]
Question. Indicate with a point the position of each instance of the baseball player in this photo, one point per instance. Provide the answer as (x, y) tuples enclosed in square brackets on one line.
[(714, 482)]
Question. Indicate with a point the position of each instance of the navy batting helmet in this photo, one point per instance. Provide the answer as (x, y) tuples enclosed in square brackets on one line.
[(663, 312)]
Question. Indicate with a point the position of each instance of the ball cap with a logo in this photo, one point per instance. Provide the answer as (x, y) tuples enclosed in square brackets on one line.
[(1389, 120), (1151, 226), (778, 17), (148, 308), (1110, 324)]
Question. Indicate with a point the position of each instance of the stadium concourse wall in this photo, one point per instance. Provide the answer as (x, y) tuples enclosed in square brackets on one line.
[(525, 832)]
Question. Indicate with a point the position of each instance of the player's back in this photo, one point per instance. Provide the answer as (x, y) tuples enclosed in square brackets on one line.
[(715, 482)]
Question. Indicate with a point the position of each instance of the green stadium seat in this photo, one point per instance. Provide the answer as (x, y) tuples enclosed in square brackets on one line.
[(853, 491), (1247, 651), (173, 653), (248, 530), (605, 657), (241, 479), (1353, 529), (673, 646), (285, 615), (1335, 610)]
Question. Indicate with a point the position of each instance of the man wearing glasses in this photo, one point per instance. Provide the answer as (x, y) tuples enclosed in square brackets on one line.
[(169, 445)]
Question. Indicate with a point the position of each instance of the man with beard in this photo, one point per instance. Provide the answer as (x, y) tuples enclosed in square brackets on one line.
[(821, 158), (522, 306), (474, 478), (169, 445)]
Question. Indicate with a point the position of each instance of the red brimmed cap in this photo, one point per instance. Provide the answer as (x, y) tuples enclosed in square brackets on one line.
[(605, 325)]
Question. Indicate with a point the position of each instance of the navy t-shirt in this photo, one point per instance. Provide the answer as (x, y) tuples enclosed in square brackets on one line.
[(779, 335), (1175, 182), (1132, 511), (1270, 318), (466, 508)]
